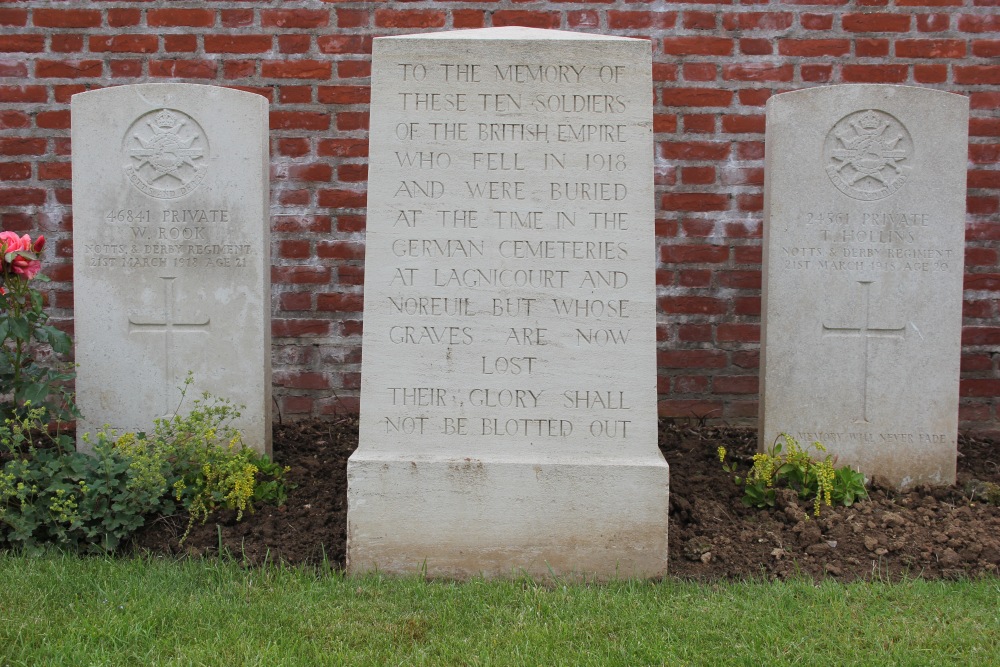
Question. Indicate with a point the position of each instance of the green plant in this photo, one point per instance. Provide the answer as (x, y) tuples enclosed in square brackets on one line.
[(24, 329), (52, 494), (201, 460), (796, 469)]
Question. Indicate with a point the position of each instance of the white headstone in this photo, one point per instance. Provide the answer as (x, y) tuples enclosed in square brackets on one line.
[(508, 395), (864, 238), (171, 253)]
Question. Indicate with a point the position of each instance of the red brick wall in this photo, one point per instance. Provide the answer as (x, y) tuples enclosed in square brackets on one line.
[(715, 64)]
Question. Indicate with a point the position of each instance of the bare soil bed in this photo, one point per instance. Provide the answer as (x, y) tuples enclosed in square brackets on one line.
[(930, 533)]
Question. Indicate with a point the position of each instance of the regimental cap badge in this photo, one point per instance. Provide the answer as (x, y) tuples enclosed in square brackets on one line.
[(165, 119), (870, 120)]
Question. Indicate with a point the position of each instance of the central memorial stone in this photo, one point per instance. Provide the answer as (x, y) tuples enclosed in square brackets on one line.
[(508, 395)]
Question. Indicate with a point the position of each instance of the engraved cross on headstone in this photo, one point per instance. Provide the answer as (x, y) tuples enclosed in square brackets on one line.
[(167, 325), (866, 332)]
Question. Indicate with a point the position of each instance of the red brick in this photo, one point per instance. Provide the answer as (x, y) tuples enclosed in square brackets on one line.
[(984, 153), (239, 69), (55, 171), (930, 73), (697, 45), (344, 44), (875, 22), (183, 69), (697, 228), (296, 69), (295, 18), (15, 171), (22, 43), (236, 18), (63, 43), (293, 301), (694, 278), (930, 48), (693, 20), (733, 124), (66, 18), (316, 172), (986, 48), (123, 18), (68, 69), (735, 384), (979, 387), (417, 18), (874, 73), (12, 120), (695, 201), (871, 48), (816, 21), (353, 18), (814, 47), (979, 22), (300, 120), (124, 43), (758, 72), (352, 120), (22, 197), (180, 43), (319, 224), (737, 333), (700, 71), (697, 97), (14, 17), (980, 336), (350, 69), (13, 68), (468, 18), (22, 146), (691, 359), (695, 150), (984, 179), (638, 20), (295, 328), (692, 305), (25, 93), (527, 19), (746, 305), (340, 250), (697, 254), (695, 333), (756, 47), (343, 95), (933, 22), (982, 205), (698, 175), (53, 120), (237, 43), (758, 21), (168, 18), (978, 75), (340, 302), (300, 275)]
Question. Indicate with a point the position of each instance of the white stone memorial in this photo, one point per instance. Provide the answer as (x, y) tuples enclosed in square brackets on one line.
[(508, 395), (864, 236), (171, 253)]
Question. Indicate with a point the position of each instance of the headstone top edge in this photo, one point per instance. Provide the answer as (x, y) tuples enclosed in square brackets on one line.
[(161, 87), (815, 91), (509, 33)]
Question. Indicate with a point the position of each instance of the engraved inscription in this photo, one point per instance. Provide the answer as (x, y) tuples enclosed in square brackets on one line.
[(166, 154)]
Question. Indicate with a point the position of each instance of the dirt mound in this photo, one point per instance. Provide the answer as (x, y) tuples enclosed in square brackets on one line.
[(931, 533)]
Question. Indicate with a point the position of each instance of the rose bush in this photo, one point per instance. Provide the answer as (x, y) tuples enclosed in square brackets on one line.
[(26, 383)]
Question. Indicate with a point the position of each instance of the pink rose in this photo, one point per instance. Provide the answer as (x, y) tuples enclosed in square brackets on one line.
[(21, 253)]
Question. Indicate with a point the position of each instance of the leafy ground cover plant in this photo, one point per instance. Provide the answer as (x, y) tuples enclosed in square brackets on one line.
[(24, 329), (795, 468)]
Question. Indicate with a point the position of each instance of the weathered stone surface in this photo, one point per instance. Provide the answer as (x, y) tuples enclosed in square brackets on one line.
[(171, 253), (863, 264), (508, 406)]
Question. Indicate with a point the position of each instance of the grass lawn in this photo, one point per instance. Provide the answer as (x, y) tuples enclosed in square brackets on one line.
[(61, 610)]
